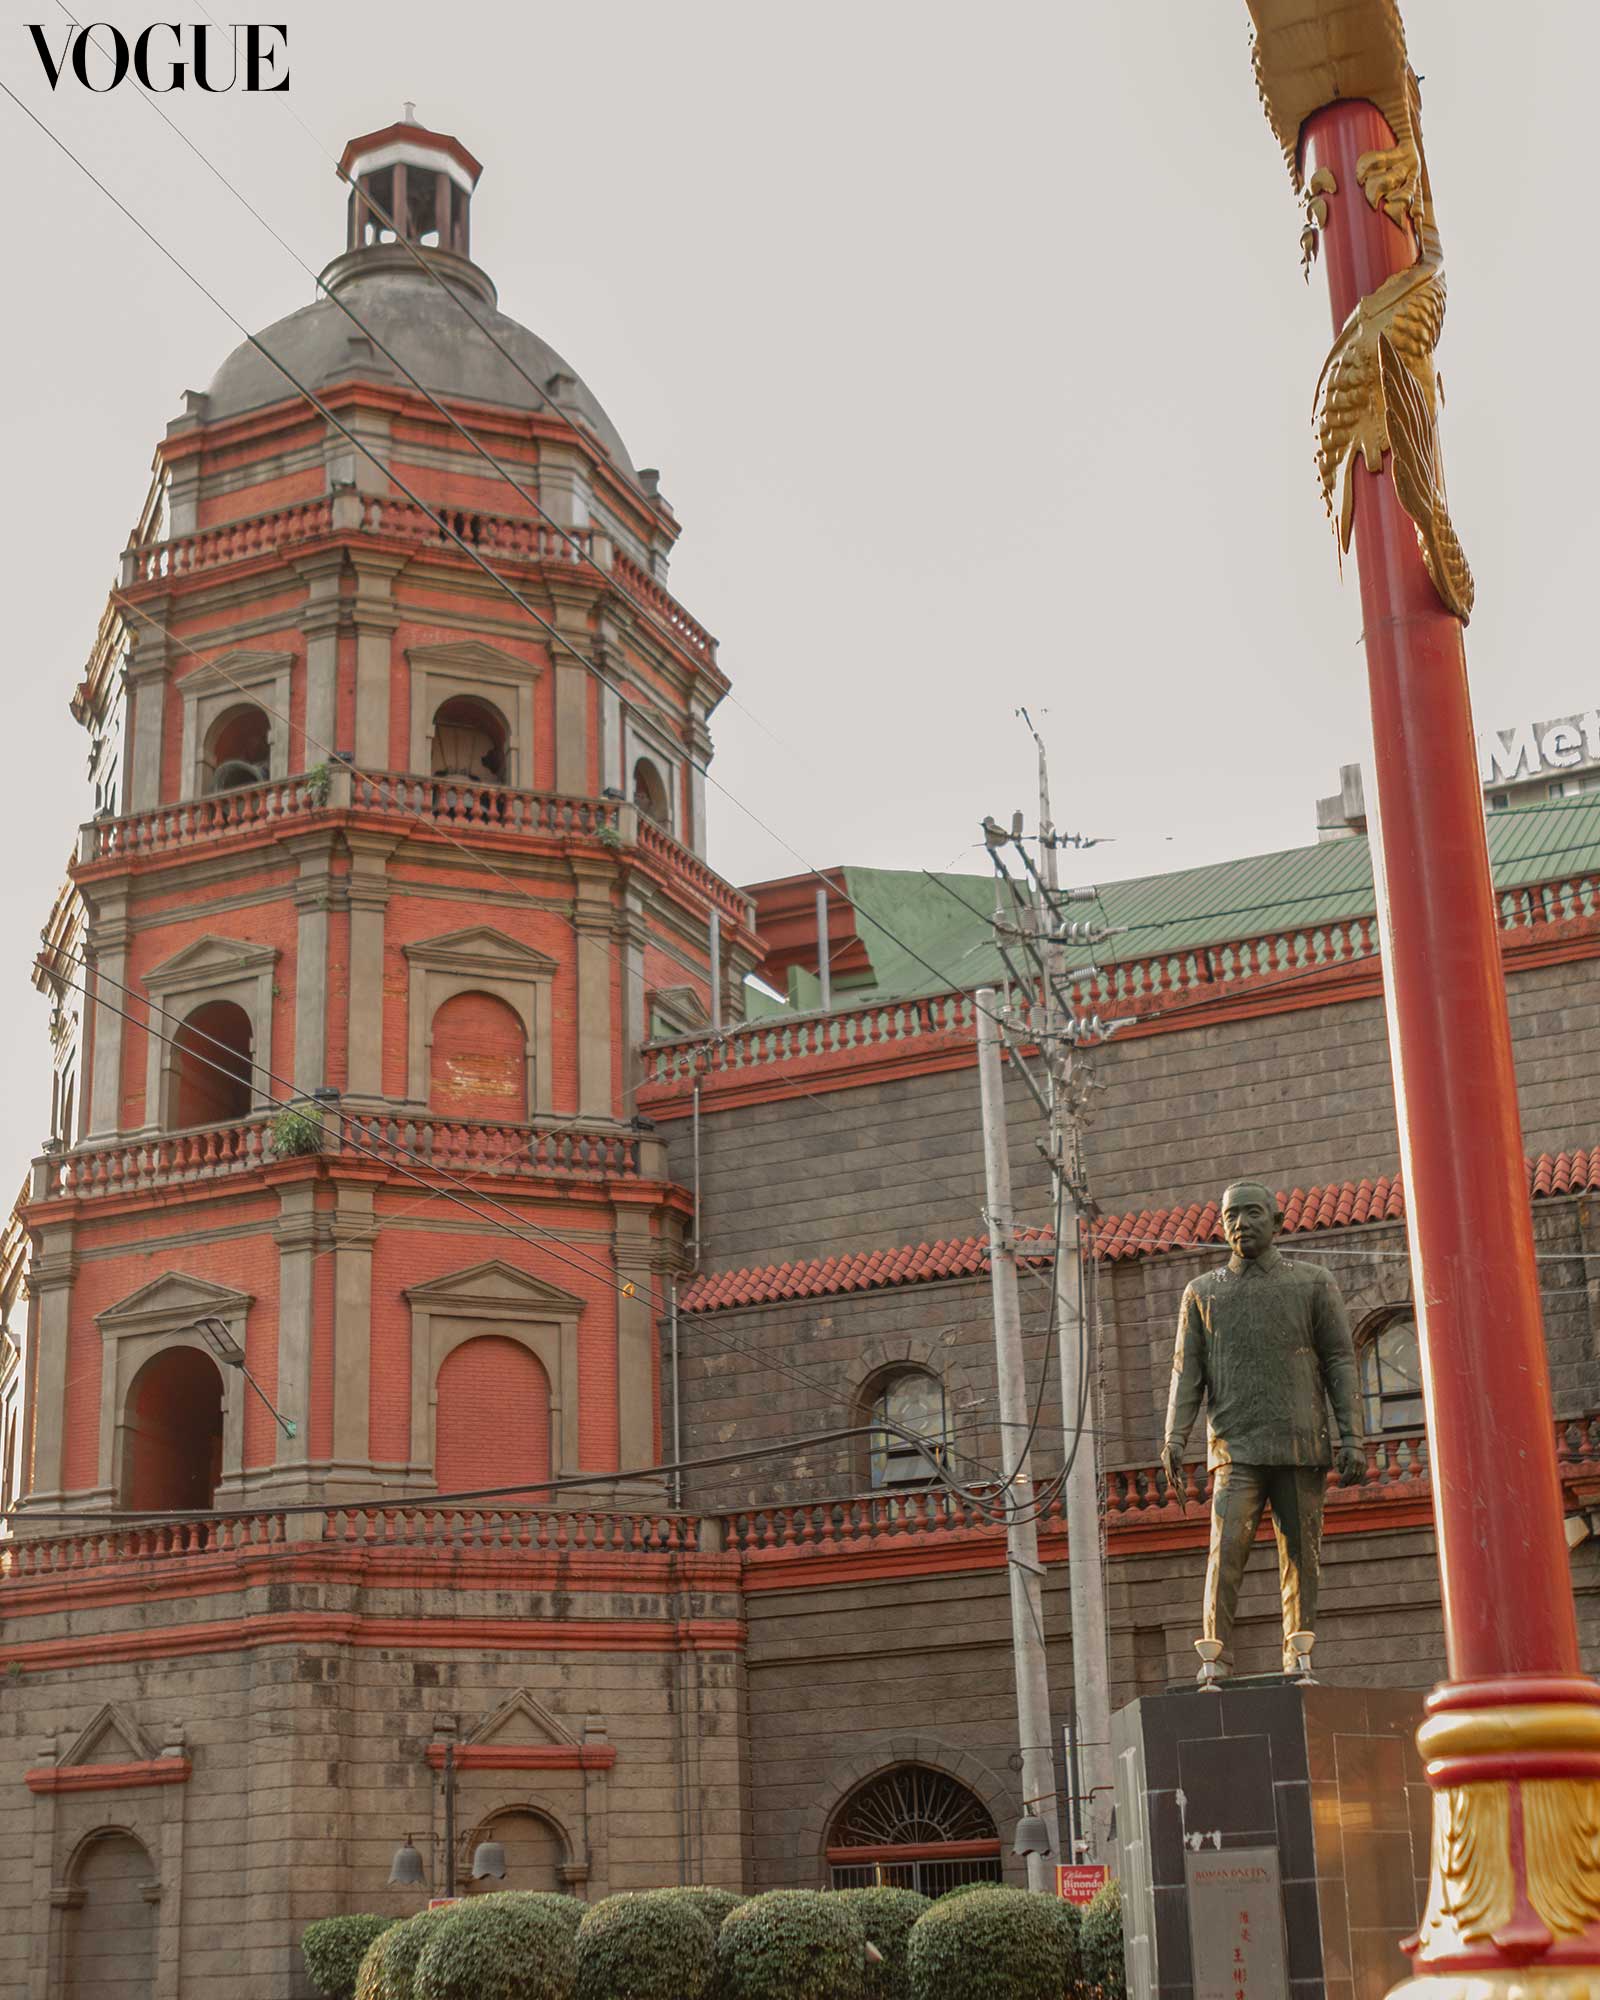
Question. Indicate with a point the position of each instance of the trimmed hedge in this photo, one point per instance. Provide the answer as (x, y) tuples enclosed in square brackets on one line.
[(1069, 1941), (333, 1948), (887, 1916), (644, 1948), (1103, 1965), (506, 1946), (793, 1944), (992, 1944), (391, 1961), (714, 1905)]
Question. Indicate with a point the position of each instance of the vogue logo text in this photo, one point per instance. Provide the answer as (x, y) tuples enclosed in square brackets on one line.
[(99, 56)]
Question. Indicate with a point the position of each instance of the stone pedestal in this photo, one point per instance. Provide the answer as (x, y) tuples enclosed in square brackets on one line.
[(1273, 1840)]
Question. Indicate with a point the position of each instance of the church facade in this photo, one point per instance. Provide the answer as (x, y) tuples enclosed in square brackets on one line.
[(439, 1277)]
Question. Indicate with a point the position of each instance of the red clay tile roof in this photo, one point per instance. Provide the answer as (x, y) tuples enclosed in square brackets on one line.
[(1147, 1232)]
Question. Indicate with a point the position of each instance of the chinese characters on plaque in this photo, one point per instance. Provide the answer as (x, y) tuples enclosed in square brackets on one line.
[(1236, 1924)]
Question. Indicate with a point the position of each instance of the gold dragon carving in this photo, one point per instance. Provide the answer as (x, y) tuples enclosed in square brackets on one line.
[(1379, 390)]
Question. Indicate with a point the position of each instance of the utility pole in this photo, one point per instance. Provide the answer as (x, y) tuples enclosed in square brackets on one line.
[(1022, 1534), (1080, 1431)]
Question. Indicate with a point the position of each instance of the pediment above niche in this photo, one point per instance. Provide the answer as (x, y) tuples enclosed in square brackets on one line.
[(236, 671), (111, 1737), (480, 949), (522, 1719), (174, 1299), (473, 659), (210, 957), (495, 1287)]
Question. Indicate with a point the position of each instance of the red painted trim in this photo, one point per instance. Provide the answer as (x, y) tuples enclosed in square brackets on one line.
[(1442, 1771), (1512, 1691), (928, 1850), (510, 1635), (450, 1571), (109, 1777), (526, 1756)]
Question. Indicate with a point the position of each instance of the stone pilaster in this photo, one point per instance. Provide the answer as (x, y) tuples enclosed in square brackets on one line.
[(368, 891), (145, 678), (106, 945), (592, 922), (319, 621), (572, 606), (355, 1230), (315, 895), (375, 618), (299, 1233), (635, 1251), (50, 1279), (631, 931), (700, 749)]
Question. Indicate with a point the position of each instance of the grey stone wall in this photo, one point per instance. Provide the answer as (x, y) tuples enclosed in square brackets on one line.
[(1298, 1099)]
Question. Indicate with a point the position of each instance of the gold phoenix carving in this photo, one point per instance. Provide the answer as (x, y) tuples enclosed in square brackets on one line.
[(1379, 390)]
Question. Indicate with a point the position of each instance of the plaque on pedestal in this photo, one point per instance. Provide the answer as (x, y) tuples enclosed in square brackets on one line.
[(1316, 1793)]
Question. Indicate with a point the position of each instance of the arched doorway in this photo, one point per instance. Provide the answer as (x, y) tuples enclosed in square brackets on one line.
[(210, 1075), (492, 1423), (912, 1828), (110, 1933), (650, 793), (172, 1442), (471, 741), (536, 1851), (238, 749)]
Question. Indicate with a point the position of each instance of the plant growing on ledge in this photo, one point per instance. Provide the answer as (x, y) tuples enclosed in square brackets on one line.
[(319, 782), (297, 1130)]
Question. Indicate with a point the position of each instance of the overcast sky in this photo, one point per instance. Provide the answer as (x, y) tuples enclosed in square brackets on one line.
[(971, 345)]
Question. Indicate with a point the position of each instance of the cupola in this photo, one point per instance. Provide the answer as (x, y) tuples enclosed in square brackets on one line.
[(410, 183)]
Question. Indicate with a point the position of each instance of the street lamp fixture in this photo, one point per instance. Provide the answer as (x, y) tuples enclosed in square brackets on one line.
[(219, 1338)]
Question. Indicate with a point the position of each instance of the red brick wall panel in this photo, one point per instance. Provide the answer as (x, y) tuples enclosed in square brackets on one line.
[(493, 1425), (478, 1060)]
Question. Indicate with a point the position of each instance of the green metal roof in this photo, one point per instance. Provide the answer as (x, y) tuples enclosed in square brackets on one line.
[(929, 934)]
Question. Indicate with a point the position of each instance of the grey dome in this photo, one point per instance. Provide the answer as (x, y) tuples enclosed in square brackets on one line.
[(429, 333)]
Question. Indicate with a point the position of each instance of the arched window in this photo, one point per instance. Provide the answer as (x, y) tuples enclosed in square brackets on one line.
[(650, 793), (478, 1060), (173, 1456), (211, 1067), (536, 1854), (470, 741), (912, 1400), (238, 749), (110, 1929), (1391, 1374), (912, 1828), (493, 1421)]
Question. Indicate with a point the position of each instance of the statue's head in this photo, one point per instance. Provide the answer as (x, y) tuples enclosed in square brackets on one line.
[(1250, 1217)]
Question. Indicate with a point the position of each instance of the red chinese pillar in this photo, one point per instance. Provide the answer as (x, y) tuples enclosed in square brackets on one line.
[(1512, 1738)]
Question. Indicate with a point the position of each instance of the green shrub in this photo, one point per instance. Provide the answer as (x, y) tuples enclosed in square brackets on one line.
[(506, 1946), (887, 1916), (333, 1948), (714, 1905), (296, 1130), (994, 1944), (644, 1948), (1069, 1941), (1103, 1964), (792, 1944), (391, 1961)]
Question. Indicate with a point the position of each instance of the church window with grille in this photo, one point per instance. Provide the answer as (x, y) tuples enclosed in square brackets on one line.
[(909, 1402), (1391, 1375), (912, 1828)]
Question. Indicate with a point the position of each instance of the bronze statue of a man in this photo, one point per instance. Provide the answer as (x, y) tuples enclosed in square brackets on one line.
[(1266, 1343)]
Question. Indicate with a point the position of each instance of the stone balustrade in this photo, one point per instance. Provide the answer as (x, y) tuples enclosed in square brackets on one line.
[(1397, 1469), (459, 1146), (502, 540)]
